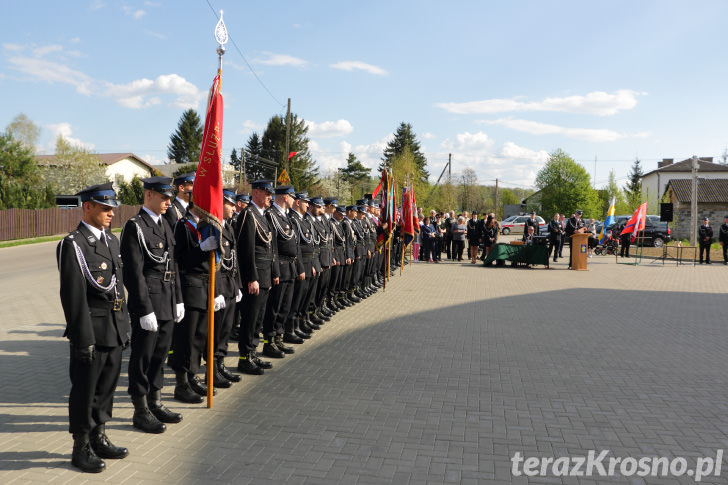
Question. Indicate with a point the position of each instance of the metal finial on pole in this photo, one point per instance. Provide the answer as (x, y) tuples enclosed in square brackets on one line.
[(221, 36)]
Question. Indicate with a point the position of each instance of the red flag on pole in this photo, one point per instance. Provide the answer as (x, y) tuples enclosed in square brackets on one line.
[(207, 190), (637, 222), (291, 155)]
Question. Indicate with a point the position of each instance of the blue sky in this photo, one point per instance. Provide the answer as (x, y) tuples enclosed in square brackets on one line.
[(497, 84)]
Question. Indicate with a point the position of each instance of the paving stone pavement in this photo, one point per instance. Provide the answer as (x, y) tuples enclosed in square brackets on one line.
[(442, 378)]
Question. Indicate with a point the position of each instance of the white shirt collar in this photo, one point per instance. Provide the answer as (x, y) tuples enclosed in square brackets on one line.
[(262, 212), (99, 233), (280, 209), (154, 216), (183, 202)]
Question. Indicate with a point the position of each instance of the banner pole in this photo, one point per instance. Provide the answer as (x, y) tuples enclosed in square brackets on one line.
[(210, 329)]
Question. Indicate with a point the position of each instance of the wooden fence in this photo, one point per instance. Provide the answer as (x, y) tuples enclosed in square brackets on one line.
[(27, 223)]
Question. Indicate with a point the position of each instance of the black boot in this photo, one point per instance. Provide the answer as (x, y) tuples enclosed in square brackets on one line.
[(84, 457), (353, 297), (103, 447), (159, 410), (278, 341), (292, 338), (247, 366), (343, 301), (143, 418), (225, 372), (314, 321), (183, 392), (271, 350), (218, 380), (321, 315), (263, 364), (198, 386)]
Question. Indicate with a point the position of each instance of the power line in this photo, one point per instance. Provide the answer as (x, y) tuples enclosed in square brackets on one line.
[(230, 37)]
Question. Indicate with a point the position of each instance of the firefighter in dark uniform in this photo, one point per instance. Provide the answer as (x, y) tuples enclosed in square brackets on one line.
[(360, 251), (183, 185), (326, 258), (290, 267), (257, 257), (302, 227), (338, 251), (723, 239), (155, 303), (228, 284), (241, 202), (191, 253), (344, 241), (97, 325), (705, 239)]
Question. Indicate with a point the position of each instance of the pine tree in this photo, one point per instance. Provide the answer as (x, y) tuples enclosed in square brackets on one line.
[(354, 171), (303, 170), (185, 143), (633, 189), (255, 168), (405, 137)]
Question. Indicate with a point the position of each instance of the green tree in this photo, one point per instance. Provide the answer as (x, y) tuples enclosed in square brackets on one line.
[(565, 187), (21, 185), (354, 171), (303, 170), (468, 190), (235, 160), (132, 193), (73, 168), (405, 138), (25, 131), (185, 142), (255, 167), (633, 189), (186, 168)]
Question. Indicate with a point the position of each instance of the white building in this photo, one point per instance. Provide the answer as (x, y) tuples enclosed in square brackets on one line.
[(120, 167), (655, 182)]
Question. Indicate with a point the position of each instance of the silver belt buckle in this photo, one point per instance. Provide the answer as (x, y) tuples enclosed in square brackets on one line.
[(117, 304), (168, 275)]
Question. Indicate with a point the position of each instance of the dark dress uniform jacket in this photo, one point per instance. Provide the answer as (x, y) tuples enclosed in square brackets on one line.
[(227, 276), (193, 264), (310, 222), (257, 248), (723, 233), (174, 213), (153, 286), (339, 240), (554, 231), (89, 311), (704, 232), (290, 264), (326, 256), (305, 238), (350, 239), (360, 242)]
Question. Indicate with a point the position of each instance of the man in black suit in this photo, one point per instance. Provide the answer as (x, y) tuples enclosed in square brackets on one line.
[(555, 233), (290, 268), (258, 260), (155, 303), (575, 225), (531, 222), (705, 238), (97, 325), (723, 239), (183, 184), (297, 316)]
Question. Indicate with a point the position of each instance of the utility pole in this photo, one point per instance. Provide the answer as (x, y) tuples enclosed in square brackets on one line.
[(496, 199), (449, 168), (242, 168), (694, 204), (286, 160), (595, 171)]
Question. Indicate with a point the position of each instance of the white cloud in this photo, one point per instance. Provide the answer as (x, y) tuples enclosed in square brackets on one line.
[(537, 128), (511, 163), (142, 93), (64, 130), (271, 59), (48, 49), (52, 72), (152, 160), (131, 12), (329, 129), (596, 103), (360, 66), (250, 125), (429, 136), (97, 4)]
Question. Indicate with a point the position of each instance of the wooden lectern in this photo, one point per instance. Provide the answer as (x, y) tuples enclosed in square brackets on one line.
[(579, 251)]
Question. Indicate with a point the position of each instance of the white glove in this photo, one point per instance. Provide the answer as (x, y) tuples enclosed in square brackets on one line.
[(149, 322), (180, 312), (219, 302), (209, 244), (239, 296)]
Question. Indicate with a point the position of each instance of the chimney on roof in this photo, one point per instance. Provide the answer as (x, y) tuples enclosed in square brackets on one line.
[(665, 162)]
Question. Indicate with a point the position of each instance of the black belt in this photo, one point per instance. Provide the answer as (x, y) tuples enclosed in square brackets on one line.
[(166, 276), (114, 304), (290, 259)]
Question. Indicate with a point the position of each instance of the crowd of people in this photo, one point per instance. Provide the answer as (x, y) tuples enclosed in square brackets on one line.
[(284, 264), (447, 232)]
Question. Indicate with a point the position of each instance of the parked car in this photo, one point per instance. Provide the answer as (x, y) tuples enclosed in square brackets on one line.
[(656, 232), (515, 224)]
